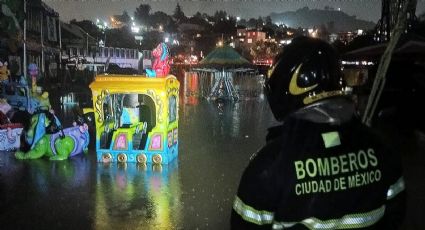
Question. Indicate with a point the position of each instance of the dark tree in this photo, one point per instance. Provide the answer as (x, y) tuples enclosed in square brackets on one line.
[(151, 40), (260, 22), (252, 23), (226, 26), (88, 26), (179, 14), (199, 19), (269, 28), (160, 18), (121, 37), (269, 21), (243, 22), (124, 17), (142, 14), (220, 16), (205, 44), (171, 26)]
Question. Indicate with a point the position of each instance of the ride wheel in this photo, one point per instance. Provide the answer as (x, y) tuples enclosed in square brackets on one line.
[(106, 158), (142, 158), (122, 158), (157, 159)]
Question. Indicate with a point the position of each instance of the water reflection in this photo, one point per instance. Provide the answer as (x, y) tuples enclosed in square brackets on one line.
[(47, 176), (190, 88), (135, 196), (215, 143), (56, 192)]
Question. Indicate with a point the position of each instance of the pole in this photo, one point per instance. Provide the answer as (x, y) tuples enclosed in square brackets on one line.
[(87, 44), (42, 44), (380, 77), (25, 40), (60, 45), (104, 31)]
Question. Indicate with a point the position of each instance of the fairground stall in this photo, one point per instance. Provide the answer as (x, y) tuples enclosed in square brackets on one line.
[(136, 118)]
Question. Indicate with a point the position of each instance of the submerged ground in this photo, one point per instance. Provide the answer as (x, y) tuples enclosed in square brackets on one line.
[(196, 191)]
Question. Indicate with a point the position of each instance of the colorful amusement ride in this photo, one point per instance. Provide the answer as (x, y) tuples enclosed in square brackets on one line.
[(136, 117)]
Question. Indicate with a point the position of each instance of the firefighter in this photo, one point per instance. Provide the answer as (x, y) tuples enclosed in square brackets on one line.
[(321, 168)]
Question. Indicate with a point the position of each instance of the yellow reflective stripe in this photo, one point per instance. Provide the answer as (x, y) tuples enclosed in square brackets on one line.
[(349, 221), (252, 215), (396, 188)]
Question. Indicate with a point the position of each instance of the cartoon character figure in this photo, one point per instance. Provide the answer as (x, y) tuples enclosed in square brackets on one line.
[(160, 66), (42, 122), (44, 101), (33, 71), (4, 72), (60, 145)]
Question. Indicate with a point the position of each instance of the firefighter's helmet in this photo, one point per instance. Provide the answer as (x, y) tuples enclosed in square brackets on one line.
[(306, 71)]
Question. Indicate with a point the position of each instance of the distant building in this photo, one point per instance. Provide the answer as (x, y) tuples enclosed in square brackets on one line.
[(344, 37), (76, 43), (42, 40), (81, 49), (251, 36)]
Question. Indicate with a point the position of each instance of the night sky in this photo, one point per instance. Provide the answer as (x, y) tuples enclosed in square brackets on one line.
[(102, 9)]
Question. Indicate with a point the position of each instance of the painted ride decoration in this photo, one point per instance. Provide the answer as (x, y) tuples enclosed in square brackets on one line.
[(160, 66), (4, 72), (42, 122), (33, 71), (10, 133), (46, 137), (59, 144), (136, 118), (20, 96)]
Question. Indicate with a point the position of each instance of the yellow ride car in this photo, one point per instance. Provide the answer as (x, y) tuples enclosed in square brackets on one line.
[(136, 118)]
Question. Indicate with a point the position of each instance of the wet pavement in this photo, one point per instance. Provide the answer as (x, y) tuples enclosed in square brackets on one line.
[(196, 191)]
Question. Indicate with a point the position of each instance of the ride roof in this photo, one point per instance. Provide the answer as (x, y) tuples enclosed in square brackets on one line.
[(133, 83)]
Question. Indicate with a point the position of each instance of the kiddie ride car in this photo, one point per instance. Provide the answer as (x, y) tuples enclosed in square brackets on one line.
[(136, 118), (21, 95)]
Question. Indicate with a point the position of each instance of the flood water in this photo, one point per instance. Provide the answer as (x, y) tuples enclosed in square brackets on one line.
[(195, 191)]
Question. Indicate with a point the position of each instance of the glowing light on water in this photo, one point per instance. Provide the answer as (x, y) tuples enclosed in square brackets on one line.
[(68, 99)]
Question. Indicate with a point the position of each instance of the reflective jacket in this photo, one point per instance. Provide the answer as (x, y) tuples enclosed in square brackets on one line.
[(320, 175)]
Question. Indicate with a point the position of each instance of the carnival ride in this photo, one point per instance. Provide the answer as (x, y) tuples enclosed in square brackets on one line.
[(60, 145), (43, 135), (20, 95), (10, 133), (136, 118)]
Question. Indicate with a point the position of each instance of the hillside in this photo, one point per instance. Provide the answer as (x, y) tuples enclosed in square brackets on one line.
[(334, 20)]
